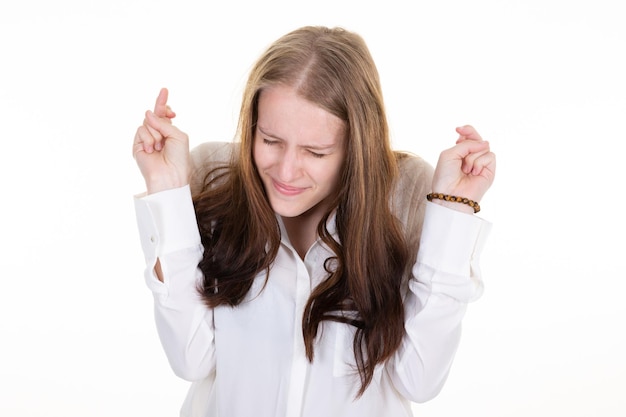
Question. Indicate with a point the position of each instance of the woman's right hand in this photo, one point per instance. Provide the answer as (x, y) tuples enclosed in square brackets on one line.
[(161, 149)]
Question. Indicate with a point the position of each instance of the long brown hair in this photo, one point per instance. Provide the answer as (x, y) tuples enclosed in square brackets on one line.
[(333, 69)]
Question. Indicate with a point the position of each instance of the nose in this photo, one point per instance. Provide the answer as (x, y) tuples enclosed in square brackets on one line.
[(289, 166)]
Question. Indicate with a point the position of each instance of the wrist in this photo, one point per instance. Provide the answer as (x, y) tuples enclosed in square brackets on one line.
[(454, 206), (156, 185), (457, 203)]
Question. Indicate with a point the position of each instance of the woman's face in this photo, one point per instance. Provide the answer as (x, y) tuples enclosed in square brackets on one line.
[(298, 151)]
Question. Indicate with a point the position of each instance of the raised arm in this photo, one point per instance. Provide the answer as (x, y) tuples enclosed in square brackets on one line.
[(446, 275), (171, 244)]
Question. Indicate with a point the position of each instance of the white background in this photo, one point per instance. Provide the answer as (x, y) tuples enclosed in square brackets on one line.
[(542, 80)]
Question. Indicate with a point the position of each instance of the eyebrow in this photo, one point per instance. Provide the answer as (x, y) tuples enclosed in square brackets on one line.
[(316, 147)]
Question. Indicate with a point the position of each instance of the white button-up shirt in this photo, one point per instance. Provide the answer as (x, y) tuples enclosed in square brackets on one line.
[(249, 360)]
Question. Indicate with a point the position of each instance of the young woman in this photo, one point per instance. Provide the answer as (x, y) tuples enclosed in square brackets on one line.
[(301, 271)]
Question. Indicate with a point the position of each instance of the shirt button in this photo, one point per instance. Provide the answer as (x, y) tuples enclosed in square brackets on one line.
[(152, 239)]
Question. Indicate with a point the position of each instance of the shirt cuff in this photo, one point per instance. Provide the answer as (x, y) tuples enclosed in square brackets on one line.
[(451, 241), (166, 222)]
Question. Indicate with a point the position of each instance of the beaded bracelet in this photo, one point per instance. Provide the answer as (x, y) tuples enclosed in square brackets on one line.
[(454, 199)]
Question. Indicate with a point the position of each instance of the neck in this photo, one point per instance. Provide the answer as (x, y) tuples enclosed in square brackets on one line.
[(302, 232), (302, 229)]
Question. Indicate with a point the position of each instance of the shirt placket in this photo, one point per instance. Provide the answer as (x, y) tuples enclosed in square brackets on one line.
[(300, 364)]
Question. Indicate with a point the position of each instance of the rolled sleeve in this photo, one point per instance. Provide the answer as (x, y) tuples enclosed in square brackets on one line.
[(167, 224), (451, 245)]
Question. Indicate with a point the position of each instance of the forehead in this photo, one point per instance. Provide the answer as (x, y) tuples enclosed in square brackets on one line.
[(284, 113)]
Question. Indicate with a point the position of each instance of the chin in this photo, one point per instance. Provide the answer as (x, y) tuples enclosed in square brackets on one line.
[(288, 212)]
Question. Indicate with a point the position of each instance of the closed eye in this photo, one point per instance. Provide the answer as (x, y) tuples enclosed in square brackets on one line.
[(317, 155), (270, 142)]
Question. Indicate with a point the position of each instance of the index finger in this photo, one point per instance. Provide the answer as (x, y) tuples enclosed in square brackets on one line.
[(160, 107)]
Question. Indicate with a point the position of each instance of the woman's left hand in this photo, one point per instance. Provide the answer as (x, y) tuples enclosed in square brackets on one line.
[(467, 169)]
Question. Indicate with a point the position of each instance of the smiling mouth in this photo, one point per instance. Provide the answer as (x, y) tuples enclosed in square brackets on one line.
[(286, 190)]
